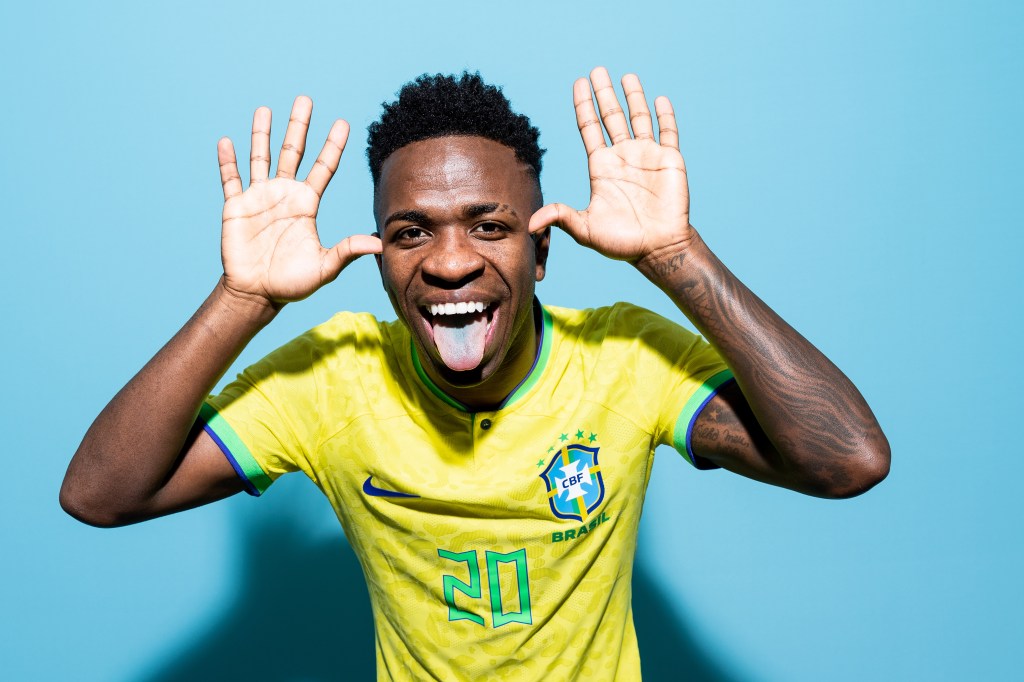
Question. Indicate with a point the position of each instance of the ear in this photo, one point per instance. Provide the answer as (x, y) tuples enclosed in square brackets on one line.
[(541, 242)]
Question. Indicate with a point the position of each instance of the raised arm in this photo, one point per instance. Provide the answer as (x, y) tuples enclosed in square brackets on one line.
[(793, 419), (141, 458)]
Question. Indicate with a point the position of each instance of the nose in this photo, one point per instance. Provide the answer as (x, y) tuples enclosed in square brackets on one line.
[(452, 258)]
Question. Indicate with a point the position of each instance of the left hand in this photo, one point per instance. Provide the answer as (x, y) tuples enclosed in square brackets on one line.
[(639, 202)]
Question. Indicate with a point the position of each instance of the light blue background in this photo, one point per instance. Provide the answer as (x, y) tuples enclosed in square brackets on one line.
[(858, 165)]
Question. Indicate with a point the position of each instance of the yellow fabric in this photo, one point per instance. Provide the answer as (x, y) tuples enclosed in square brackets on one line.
[(525, 600)]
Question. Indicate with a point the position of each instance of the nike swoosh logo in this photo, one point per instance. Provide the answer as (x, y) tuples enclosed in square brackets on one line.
[(374, 491)]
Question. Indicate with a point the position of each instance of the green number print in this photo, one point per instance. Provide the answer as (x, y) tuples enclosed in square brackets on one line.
[(473, 590), (451, 583), (524, 614)]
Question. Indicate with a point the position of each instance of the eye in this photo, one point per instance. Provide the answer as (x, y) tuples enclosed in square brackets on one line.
[(411, 234), (490, 230)]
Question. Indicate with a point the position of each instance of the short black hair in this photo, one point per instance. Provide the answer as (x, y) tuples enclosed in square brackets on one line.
[(443, 105)]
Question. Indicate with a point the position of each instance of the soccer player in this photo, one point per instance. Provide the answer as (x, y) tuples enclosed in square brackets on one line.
[(486, 455)]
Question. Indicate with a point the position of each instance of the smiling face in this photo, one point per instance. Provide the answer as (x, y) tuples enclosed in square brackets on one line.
[(459, 263)]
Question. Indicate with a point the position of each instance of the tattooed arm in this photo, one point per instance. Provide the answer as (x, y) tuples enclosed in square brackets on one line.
[(792, 418)]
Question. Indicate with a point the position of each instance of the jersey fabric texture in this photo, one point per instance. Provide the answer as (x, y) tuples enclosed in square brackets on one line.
[(495, 545)]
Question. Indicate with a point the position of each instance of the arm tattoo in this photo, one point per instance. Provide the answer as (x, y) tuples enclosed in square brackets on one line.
[(794, 416), (670, 265)]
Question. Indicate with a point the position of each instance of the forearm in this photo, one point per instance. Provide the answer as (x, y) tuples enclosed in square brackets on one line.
[(816, 419), (132, 447)]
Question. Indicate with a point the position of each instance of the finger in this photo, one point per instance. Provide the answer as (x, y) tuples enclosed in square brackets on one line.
[(668, 132), (608, 104), (259, 156), (586, 116), (295, 138), (565, 217), (229, 179), (330, 156), (347, 250), (639, 114)]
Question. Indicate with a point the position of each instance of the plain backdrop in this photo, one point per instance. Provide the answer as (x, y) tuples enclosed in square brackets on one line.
[(857, 164)]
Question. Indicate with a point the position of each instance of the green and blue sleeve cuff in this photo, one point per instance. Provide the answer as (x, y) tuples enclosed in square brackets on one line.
[(256, 480), (681, 437)]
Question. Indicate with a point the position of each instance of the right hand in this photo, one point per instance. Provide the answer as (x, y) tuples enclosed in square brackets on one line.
[(269, 244)]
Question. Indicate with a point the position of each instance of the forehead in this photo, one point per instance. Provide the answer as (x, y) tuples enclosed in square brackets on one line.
[(444, 173)]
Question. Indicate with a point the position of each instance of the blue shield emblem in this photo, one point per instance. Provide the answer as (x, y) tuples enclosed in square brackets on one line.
[(574, 481)]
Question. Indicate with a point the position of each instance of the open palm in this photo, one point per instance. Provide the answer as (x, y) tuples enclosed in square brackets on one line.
[(269, 242), (639, 201)]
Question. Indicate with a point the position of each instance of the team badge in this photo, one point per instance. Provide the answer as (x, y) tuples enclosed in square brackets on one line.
[(574, 481)]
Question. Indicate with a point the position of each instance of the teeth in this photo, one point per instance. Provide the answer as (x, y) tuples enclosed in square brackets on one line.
[(460, 308)]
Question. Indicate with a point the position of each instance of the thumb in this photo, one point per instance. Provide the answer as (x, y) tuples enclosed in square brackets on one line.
[(347, 250), (565, 217)]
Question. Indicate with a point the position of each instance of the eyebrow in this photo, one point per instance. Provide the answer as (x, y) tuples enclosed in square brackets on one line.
[(408, 216), (477, 210), (470, 211)]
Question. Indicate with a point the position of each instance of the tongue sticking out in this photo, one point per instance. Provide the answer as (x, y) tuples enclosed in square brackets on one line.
[(460, 340)]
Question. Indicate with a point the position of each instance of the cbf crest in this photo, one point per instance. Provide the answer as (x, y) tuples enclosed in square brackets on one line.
[(574, 481)]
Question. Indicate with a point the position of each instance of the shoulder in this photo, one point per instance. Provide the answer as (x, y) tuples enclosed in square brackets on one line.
[(344, 327), (619, 320), (344, 337)]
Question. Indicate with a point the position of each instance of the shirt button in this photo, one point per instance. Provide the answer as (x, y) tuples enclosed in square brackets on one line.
[(485, 424)]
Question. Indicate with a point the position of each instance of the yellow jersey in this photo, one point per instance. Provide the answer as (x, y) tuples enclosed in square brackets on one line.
[(495, 545)]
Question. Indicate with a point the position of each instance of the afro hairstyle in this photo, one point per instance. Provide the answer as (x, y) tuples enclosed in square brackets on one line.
[(443, 105)]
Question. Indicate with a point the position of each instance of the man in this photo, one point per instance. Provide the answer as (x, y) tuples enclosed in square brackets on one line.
[(486, 455)]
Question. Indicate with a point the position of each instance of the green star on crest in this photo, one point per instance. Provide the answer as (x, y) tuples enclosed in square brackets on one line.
[(593, 436), (564, 437), (579, 434), (540, 463)]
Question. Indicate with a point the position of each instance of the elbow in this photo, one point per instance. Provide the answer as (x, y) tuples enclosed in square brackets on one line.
[(868, 467), (90, 492), (79, 506)]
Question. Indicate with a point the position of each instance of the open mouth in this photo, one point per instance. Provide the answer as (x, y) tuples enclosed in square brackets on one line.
[(460, 331)]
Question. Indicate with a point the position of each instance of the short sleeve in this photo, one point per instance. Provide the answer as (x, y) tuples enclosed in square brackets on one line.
[(674, 373), (265, 420)]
